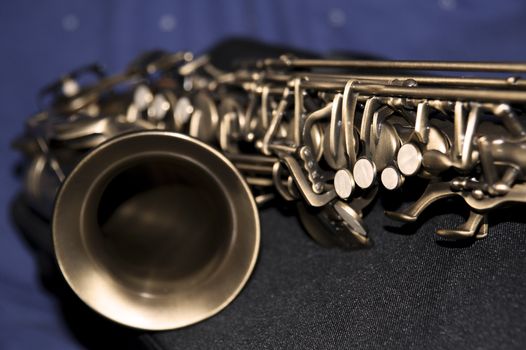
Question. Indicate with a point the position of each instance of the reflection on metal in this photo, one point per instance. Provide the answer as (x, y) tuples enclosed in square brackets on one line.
[(128, 222), (160, 168)]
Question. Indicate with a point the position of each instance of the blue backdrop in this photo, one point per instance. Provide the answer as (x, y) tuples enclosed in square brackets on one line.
[(41, 40)]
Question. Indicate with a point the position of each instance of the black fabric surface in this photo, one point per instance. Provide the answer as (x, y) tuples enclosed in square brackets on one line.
[(409, 290)]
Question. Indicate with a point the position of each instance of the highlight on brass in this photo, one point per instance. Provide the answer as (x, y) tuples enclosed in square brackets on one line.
[(155, 230), (156, 172)]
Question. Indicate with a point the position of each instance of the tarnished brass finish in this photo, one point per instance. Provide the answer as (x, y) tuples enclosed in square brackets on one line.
[(156, 230), (155, 225)]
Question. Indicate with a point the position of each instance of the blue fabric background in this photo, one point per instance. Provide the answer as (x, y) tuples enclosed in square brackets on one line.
[(40, 40)]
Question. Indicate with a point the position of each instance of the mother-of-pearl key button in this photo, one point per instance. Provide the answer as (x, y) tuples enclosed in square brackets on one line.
[(364, 172), (409, 159), (343, 183), (391, 178)]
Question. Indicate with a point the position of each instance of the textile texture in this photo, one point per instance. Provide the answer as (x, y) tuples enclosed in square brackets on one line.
[(409, 290)]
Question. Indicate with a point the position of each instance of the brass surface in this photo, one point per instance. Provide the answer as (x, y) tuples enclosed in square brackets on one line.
[(156, 230), (161, 167)]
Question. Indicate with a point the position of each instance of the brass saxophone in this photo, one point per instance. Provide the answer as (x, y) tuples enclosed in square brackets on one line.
[(152, 177)]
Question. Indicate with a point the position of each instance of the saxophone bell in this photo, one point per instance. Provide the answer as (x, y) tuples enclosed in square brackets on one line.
[(155, 230)]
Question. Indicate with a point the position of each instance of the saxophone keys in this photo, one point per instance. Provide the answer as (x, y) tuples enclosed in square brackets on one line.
[(352, 219), (182, 112), (204, 121), (159, 107), (142, 97), (344, 183), (364, 173), (475, 226), (409, 159), (391, 178)]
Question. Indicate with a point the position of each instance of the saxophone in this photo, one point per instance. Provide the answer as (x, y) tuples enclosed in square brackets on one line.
[(152, 178)]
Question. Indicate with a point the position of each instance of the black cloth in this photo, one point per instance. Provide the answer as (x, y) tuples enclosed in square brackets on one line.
[(410, 290)]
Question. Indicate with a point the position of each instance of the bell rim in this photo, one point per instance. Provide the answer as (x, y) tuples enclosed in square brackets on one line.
[(176, 322)]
